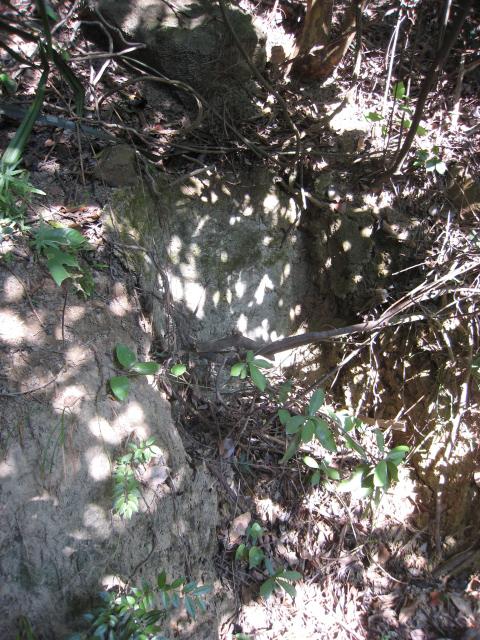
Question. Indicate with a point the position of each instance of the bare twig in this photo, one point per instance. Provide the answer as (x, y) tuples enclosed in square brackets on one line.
[(268, 86), (12, 394), (427, 85)]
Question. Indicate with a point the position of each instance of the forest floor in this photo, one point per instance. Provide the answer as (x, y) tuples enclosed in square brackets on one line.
[(408, 567)]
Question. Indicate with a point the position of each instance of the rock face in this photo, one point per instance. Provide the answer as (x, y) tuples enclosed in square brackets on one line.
[(190, 42), (222, 243), (60, 543)]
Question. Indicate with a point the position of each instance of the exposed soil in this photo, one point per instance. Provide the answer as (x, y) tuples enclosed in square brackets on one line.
[(407, 568)]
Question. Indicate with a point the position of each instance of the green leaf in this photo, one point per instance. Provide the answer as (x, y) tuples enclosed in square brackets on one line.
[(315, 478), (15, 148), (392, 470), (380, 440), (380, 474), (351, 444), (308, 430), (316, 402), (258, 379), (262, 364), (373, 117), (57, 271), (332, 473), (177, 583), (422, 155), (237, 369), (51, 13), (441, 168), (397, 454), (240, 552), (310, 462), (406, 123), (355, 481), (291, 449), (285, 389), (289, 588), (161, 579), (347, 421), (399, 90), (146, 368), (267, 588), (190, 607), (255, 557), (249, 356), (9, 84), (324, 434), (292, 575), (120, 386), (178, 370), (125, 356), (55, 235), (283, 416), (431, 163), (294, 423), (71, 79), (421, 131), (255, 530), (57, 261)]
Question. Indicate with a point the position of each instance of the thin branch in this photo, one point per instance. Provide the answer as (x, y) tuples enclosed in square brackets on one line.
[(427, 85)]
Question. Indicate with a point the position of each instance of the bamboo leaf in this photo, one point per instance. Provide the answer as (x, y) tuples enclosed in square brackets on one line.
[(14, 151)]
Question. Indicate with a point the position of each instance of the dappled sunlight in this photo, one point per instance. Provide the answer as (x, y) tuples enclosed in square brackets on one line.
[(13, 290), (96, 521), (103, 430), (98, 464), (76, 355), (8, 467), (14, 329), (265, 285), (132, 421), (120, 306), (70, 397)]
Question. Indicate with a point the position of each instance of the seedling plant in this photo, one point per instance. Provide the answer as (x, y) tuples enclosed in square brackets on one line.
[(400, 121), (127, 488), (62, 247), (250, 552), (322, 425), (120, 385), (139, 613)]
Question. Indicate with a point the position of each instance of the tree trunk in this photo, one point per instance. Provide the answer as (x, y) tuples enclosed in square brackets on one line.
[(316, 30), (316, 26)]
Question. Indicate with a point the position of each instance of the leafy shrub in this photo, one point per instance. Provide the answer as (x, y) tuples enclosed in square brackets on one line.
[(139, 613), (15, 194), (424, 157), (250, 552), (332, 429), (251, 367)]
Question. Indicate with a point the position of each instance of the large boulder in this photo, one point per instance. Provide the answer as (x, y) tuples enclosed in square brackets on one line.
[(60, 434), (222, 250), (190, 41)]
